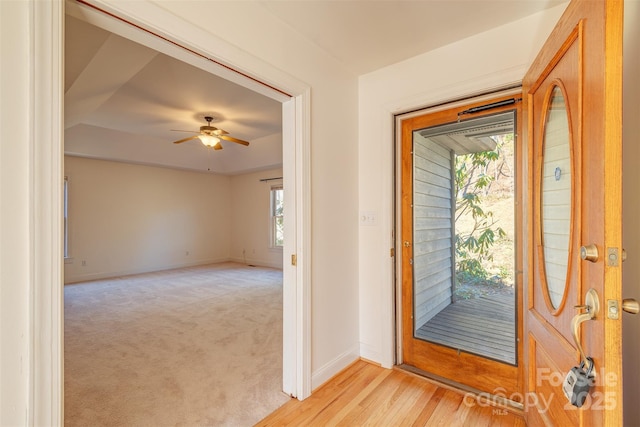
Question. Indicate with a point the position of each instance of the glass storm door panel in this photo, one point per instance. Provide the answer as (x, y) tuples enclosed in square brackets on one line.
[(459, 319)]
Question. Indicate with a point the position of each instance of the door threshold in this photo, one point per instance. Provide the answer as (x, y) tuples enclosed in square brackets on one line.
[(481, 397)]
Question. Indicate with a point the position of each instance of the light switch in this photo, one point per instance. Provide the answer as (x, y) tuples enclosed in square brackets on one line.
[(368, 218)]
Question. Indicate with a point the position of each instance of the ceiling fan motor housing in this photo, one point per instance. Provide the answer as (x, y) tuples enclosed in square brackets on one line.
[(210, 136), (210, 130)]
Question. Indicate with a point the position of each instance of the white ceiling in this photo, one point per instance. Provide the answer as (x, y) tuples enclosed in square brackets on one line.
[(367, 35), (122, 99)]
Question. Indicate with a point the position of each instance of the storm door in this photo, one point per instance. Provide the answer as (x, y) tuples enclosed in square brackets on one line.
[(461, 289)]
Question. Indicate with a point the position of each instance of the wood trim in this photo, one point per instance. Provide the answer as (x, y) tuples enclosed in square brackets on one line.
[(494, 400), (612, 287), (571, 38), (406, 238), (519, 238)]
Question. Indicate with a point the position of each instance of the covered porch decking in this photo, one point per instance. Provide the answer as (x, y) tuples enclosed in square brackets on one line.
[(485, 326)]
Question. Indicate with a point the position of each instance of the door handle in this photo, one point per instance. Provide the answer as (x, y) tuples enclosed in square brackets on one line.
[(592, 307), (630, 306)]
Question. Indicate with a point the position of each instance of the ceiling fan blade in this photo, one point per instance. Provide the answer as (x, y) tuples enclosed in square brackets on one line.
[(218, 146), (232, 139), (180, 141)]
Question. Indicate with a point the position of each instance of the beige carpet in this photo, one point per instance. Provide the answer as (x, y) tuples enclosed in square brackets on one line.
[(198, 346)]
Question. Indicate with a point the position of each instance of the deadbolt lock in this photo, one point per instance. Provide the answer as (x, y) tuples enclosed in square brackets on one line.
[(589, 253)]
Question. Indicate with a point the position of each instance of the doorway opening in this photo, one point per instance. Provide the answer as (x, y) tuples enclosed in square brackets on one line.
[(296, 375), (463, 234)]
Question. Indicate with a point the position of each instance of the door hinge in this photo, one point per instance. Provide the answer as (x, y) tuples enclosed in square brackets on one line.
[(392, 252), (294, 259)]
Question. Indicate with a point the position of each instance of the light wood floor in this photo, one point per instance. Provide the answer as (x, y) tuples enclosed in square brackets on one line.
[(366, 394), (484, 326)]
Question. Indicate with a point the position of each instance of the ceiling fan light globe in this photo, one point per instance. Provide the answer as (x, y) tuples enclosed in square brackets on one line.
[(209, 140)]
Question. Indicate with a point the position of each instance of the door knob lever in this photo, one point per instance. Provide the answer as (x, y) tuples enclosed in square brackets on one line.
[(630, 306), (592, 307)]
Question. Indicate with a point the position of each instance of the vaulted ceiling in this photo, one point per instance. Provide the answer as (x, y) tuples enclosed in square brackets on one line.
[(125, 101)]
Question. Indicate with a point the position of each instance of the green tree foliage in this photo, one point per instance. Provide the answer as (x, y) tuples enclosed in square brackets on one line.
[(474, 175)]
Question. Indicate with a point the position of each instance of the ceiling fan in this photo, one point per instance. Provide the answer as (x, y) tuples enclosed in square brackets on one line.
[(211, 136)]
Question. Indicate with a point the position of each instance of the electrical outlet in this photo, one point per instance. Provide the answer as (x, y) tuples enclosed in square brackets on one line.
[(187, 253), (84, 263)]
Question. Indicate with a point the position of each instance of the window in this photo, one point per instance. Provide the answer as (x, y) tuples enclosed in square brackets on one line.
[(277, 219)]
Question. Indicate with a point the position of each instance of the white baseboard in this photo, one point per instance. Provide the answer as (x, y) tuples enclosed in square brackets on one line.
[(329, 370), (370, 353), (257, 262), (112, 274)]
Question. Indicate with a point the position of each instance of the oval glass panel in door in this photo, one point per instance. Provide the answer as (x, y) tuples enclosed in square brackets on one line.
[(556, 198)]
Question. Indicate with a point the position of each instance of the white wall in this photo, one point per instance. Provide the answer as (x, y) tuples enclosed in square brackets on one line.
[(250, 225), (631, 210), (485, 61), (126, 218)]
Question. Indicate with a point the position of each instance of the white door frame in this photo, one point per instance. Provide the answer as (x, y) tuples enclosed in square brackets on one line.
[(47, 123)]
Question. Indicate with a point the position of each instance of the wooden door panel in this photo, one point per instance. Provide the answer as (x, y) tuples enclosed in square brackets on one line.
[(551, 348), (549, 390), (546, 373), (565, 74), (583, 55)]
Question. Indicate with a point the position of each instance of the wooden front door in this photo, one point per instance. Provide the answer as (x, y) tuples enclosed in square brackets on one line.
[(461, 346), (573, 103), (572, 133)]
